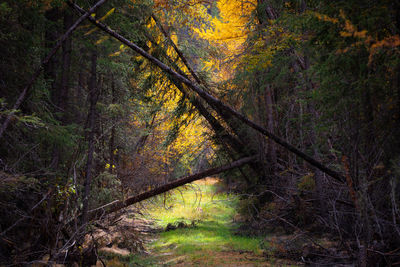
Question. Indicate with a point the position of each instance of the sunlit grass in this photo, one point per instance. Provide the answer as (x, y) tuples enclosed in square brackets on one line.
[(207, 236), (211, 214)]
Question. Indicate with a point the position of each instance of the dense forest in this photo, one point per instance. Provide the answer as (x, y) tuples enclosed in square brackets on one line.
[(295, 104)]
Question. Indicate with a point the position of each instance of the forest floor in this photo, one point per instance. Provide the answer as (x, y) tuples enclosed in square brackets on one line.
[(197, 227)]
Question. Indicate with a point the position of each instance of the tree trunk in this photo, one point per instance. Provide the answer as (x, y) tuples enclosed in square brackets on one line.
[(79, 100), (50, 73), (60, 98), (270, 124), (301, 66), (265, 12), (112, 137), (50, 69), (220, 131), (318, 175), (93, 96), (179, 52), (66, 65)]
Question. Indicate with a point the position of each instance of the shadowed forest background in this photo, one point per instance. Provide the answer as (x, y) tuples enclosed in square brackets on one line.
[(294, 104)]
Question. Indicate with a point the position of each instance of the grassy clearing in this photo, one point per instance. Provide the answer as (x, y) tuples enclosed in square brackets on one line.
[(207, 217), (202, 232)]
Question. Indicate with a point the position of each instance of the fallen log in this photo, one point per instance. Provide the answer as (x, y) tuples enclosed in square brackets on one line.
[(114, 206), (214, 102)]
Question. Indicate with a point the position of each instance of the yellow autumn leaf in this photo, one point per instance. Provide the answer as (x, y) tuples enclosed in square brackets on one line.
[(115, 54), (102, 39), (107, 14), (91, 31)]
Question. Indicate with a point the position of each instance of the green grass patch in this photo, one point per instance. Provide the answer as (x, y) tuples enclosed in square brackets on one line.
[(211, 214), (128, 261)]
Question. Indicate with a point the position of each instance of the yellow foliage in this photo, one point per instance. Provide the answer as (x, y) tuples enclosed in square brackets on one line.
[(182, 13), (108, 166), (91, 31), (324, 17), (107, 14), (102, 39), (122, 48), (274, 39), (388, 42), (229, 32), (101, 19)]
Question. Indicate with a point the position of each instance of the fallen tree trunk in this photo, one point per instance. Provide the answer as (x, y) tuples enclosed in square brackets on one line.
[(217, 127), (114, 206), (214, 102)]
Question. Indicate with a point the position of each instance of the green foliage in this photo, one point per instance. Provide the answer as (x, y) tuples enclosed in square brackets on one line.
[(107, 187), (5, 9), (26, 120), (307, 183)]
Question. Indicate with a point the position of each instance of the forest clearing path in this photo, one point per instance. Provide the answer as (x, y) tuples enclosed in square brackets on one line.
[(199, 225)]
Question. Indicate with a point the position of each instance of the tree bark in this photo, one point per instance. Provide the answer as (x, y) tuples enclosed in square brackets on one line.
[(302, 64), (93, 96), (265, 12), (50, 69), (60, 98), (270, 123), (66, 66), (50, 72), (112, 137)]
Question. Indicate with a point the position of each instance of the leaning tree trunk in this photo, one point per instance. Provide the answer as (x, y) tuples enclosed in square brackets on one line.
[(234, 143), (215, 103), (114, 206)]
